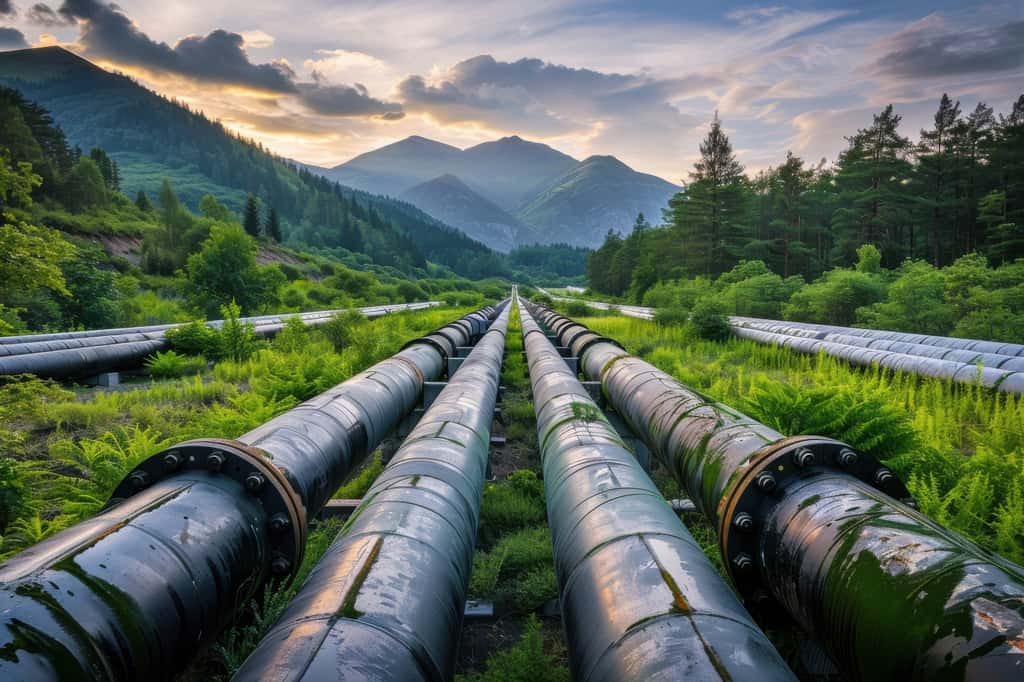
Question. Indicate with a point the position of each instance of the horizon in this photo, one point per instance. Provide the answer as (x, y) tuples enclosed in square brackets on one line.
[(794, 77)]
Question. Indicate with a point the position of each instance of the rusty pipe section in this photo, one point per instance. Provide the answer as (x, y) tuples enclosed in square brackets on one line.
[(386, 600), (193, 532), (77, 354), (640, 600), (812, 528)]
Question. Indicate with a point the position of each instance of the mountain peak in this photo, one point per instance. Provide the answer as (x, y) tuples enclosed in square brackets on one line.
[(40, 63)]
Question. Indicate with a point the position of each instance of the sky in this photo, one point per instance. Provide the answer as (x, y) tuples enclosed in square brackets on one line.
[(322, 81)]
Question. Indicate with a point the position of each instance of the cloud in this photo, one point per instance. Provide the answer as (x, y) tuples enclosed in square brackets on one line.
[(218, 57), (11, 39), (6, 7), (342, 100), (44, 15), (931, 48), (538, 97), (257, 39)]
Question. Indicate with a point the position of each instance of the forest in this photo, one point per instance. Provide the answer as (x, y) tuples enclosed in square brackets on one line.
[(923, 237)]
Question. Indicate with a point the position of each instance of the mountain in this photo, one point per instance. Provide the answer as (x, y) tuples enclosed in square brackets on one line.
[(152, 138), (514, 169), (556, 197), (450, 200), (598, 194), (397, 167)]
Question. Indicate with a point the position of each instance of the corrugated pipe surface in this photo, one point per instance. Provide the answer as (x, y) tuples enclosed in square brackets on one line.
[(640, 600), (810, 526), (194, 532), (386, 600)]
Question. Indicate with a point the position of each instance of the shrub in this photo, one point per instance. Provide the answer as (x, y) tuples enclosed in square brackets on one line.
[(709, 320), (575, 308), (671, 316), (835, 298), (343, 329), (13, 493), (237, 339), (293, 337), (195, 338), (170, 365)]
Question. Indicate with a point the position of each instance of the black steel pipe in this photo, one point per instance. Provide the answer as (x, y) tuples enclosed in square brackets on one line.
[(69, 356), (811, 527), (192, 534), (386, 600), (640, 600)]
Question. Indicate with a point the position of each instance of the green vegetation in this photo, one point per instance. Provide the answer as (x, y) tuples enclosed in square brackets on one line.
[(922, 238), (526, 661)]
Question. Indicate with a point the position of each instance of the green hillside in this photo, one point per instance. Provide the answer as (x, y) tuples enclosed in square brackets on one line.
[(157, 138)]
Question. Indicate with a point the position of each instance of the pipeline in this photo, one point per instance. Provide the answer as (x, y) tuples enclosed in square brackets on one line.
[(193, 533), (812, 528), (386, 600), (1004, 373), (75, 354), (640, 600), (941, 357)]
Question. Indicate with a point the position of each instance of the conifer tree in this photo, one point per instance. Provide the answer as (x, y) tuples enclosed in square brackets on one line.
[(272, 228), (143, 203), (251, 216)]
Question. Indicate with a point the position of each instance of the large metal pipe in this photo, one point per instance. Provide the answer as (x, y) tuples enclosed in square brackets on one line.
[(1004, 380), (810, 527), (76, 356), (191, 535), (640, 600), (824, 331), (386, 600)]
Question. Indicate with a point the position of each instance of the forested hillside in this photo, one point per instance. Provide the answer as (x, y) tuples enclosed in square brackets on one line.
[(76, 252), (152, 139), (923, 237)]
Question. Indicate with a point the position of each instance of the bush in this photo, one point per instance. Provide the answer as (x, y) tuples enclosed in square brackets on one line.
[(343, 329), (293, 337), (671, 316), (575, 308), (170, 365), (195, 338), (709, 320), (835, 298), (237, 339)]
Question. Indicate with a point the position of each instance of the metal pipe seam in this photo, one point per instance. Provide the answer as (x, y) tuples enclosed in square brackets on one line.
[(191, 535), (823, 543), (662, 610), (385, 602)]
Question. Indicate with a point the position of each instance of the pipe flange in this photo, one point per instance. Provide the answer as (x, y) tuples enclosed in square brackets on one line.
[(432, 343), (254, 470), (764, 482), (596, 340)]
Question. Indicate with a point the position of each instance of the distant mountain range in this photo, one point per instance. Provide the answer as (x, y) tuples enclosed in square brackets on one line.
[(510, 192), (153, 138)]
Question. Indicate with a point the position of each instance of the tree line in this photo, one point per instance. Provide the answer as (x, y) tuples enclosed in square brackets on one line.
[(959, 190)]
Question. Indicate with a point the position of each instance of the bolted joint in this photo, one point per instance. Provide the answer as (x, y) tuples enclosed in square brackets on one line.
[(742, 562), (743, 522), (883, 476), (254, 482), (215, 462), (803, 457), (279, 522), (765, 482), (847, 458), (171, 461), (280, 566), (139, 479)]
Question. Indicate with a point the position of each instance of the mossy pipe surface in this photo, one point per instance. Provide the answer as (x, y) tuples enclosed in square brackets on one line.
[(810, 527), (640, 600), (191, 535), (385, 602)]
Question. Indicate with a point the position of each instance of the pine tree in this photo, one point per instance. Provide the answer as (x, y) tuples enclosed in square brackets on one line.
[(874, 200), (272, 228), (935, 174), (251, 216), (789, 184), (708, 216), (143, 203)]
